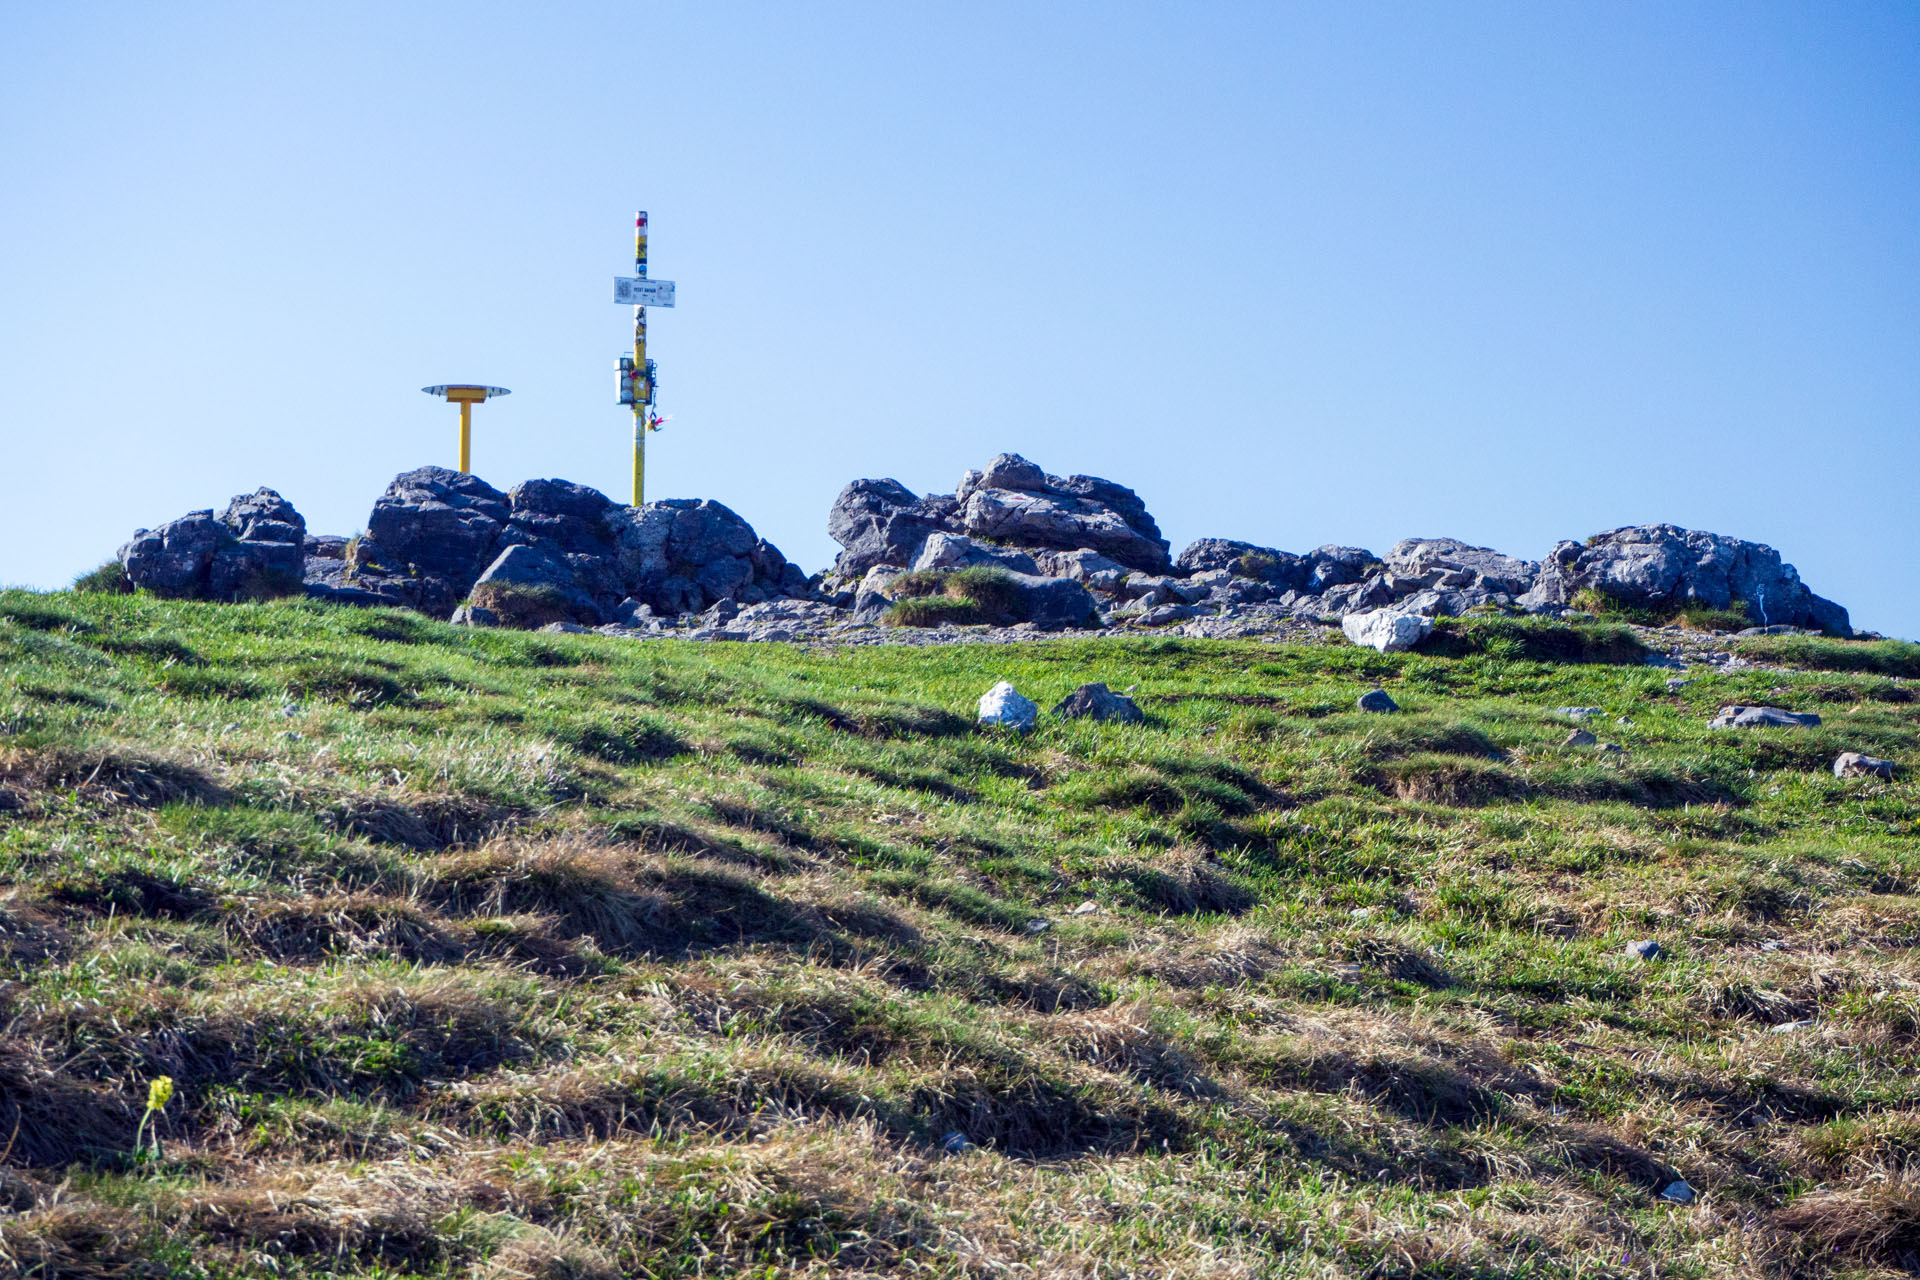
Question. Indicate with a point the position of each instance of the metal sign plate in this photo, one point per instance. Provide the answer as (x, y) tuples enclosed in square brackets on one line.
[(634, 291)]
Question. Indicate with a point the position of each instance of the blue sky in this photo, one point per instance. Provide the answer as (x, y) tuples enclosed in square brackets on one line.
[(1299, 274)]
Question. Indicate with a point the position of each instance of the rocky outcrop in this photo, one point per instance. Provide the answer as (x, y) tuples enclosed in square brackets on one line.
[(1664, 568), (1013, 502), (1010, 502), (1078, 551), (253, 550)]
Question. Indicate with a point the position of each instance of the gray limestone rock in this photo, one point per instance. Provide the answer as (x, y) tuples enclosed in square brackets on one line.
[(1852, 764), (1762, 718), (1097, 702), (884, 522), (255, 550), (1332, 566), (957, 551), (1278, 569), (439, 525), (1045, 519), (264, 516), (1663, 567), (1458, 564), (1376, 700)]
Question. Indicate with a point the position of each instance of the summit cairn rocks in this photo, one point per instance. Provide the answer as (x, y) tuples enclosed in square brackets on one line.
[(1077, 552)]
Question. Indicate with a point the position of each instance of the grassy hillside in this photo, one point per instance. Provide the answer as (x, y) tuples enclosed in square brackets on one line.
[(489, 954)]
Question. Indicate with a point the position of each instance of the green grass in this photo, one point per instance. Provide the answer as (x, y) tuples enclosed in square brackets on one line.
[(977, 594), (1693, 617), (485, 953)]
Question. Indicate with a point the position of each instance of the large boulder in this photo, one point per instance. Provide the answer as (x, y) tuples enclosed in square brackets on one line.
[(570, 518), (1664, 568), (1386, 630), (254, 550), (439, 529), (530, 584), (1052, 604), (884, 522)]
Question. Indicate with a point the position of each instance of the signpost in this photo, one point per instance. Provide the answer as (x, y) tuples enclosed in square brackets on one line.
[(638, 380), (642, 293), (466, 395)]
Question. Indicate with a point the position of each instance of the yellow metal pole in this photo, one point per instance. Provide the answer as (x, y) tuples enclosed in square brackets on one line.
[(466, 436), (643, 385), (640, 457)]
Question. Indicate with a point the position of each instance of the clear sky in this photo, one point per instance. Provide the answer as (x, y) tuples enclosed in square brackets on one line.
[(1300, 274)]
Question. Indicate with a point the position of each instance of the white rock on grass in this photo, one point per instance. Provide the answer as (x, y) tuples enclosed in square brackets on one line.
[(1004, 706), (1387, 630)]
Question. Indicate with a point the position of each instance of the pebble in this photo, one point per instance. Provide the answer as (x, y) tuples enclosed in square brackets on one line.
[(1645, 949), (1086, 908), (1677, 1192), (954, 1143), (1788, 1028)]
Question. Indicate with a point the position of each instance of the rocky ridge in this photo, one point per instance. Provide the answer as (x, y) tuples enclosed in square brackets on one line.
[(1074, 553)]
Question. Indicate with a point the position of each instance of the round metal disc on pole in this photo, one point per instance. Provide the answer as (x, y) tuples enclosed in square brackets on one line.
[(466, 395)]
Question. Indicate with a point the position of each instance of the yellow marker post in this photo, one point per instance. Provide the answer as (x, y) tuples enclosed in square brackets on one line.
[(466, 395), (638, 376), (643, 389)]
